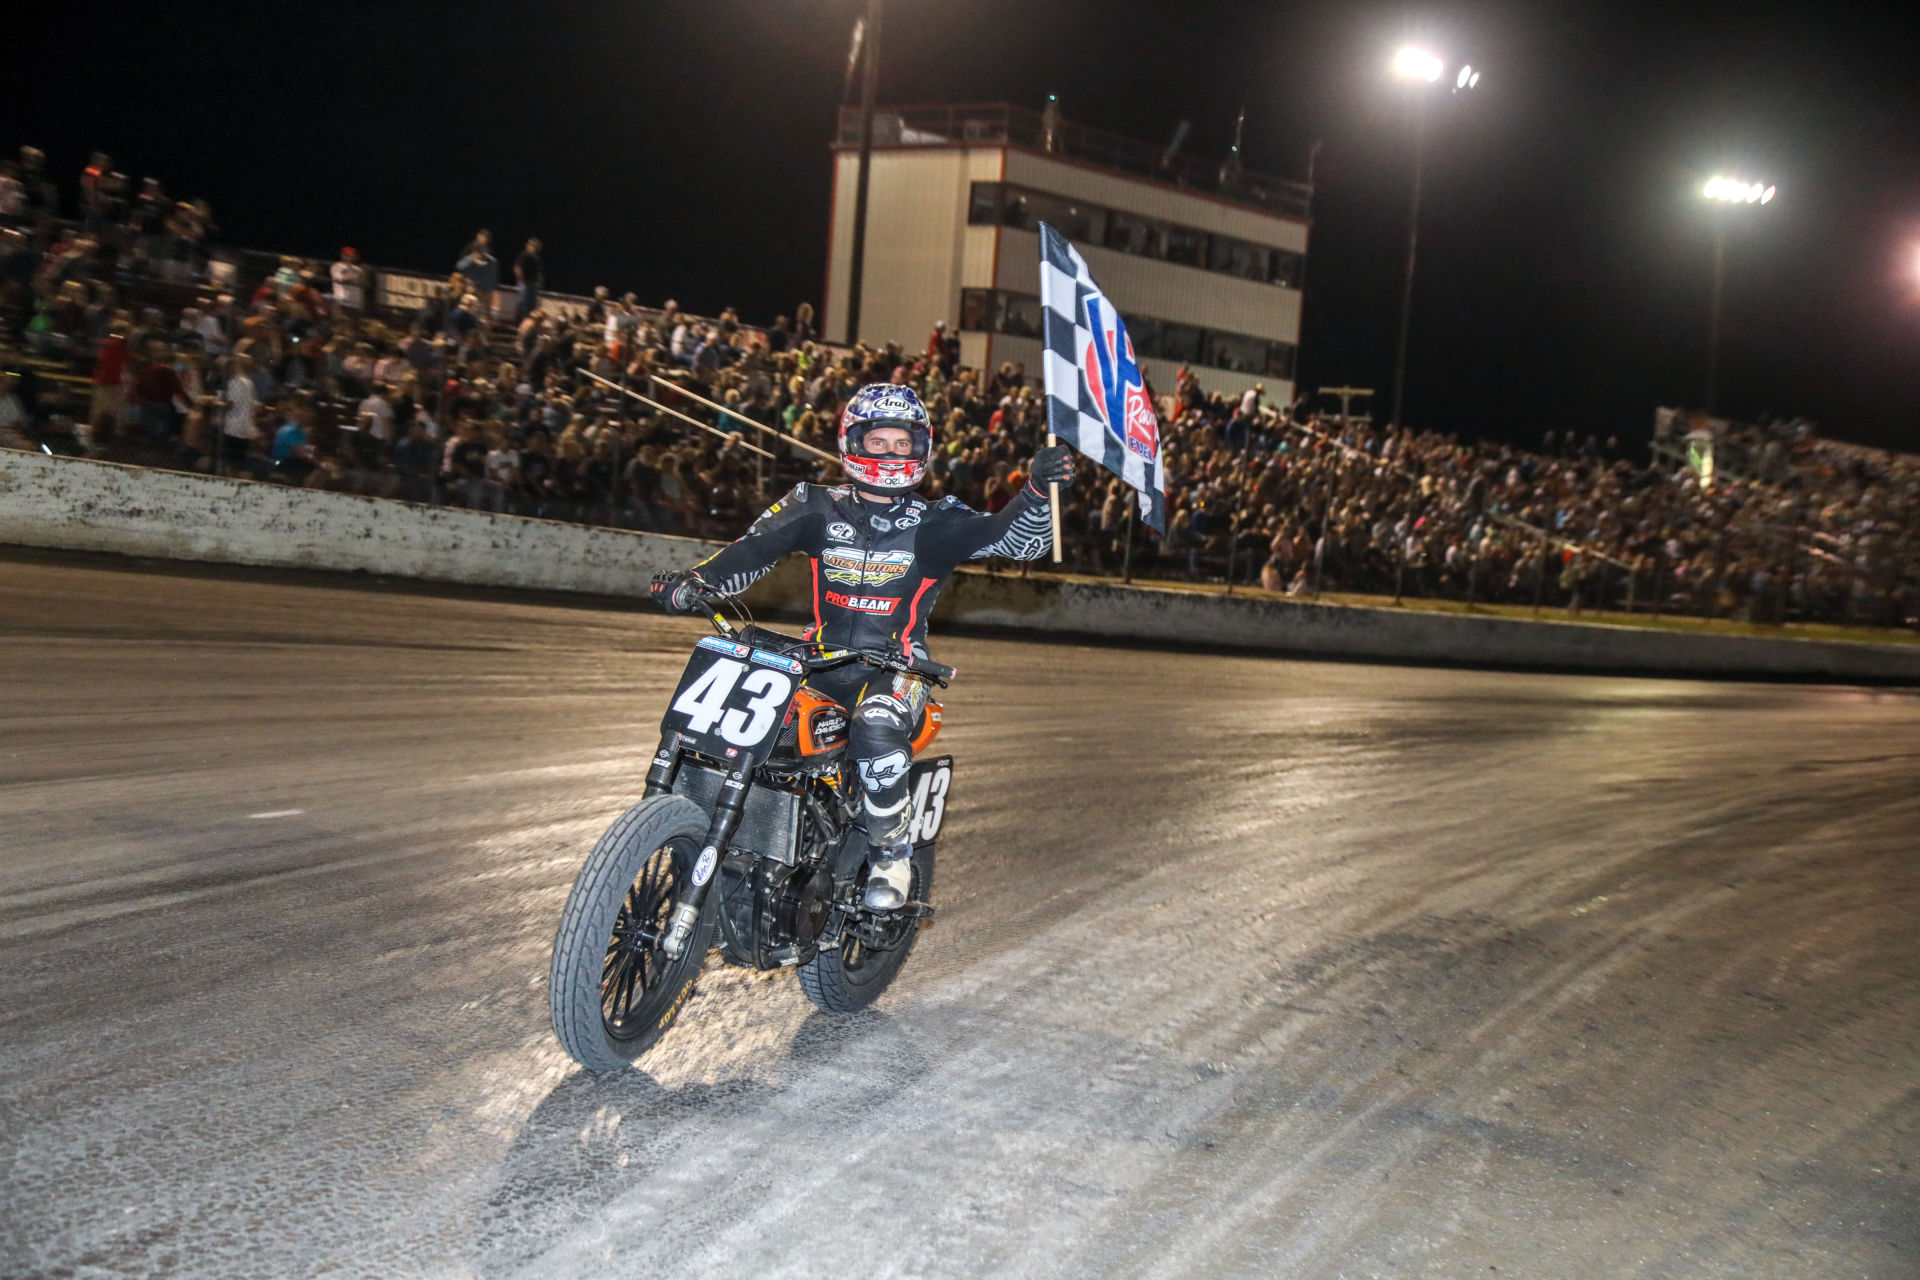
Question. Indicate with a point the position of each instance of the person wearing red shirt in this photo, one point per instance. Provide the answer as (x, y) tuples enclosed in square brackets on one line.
[(109, 386), (158, 394)]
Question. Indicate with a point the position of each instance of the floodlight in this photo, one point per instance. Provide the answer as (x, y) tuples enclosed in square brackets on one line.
[(1417, 64), (1734, 191)]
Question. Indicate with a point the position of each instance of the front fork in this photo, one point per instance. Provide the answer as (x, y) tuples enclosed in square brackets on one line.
[(726, 817)]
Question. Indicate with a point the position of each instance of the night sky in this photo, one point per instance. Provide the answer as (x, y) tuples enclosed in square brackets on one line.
[(680, 150)]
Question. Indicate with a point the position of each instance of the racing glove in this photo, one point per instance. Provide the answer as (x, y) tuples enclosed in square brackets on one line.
[(1051, 465), (678, 592)]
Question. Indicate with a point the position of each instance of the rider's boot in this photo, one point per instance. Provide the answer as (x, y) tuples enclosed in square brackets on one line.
[(889, 877)]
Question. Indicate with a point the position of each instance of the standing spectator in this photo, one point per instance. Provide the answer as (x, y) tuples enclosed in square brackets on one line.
[(215, 326), (13, 411), (943, 349), (159, 396), (293, 453), (531, 273), (93, 191), (374, 435), (237, 425), (13, 195), (349, 283), (109, 406), (43, 198), (414, 458), (464, 319), (481, 269)]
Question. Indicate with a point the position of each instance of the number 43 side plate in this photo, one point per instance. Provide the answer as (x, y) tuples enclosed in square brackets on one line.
[(929, 784), (732, 699)]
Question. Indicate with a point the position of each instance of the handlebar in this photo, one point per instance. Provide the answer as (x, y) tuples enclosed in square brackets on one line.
[(938, 672), (827, 659)]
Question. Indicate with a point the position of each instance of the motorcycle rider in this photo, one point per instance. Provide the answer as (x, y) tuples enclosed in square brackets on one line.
[(879, 554)]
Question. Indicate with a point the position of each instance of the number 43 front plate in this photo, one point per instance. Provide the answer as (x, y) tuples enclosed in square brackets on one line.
[(732, 699)]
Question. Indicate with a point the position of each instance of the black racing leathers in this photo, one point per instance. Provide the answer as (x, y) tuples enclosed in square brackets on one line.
[(877, 569)]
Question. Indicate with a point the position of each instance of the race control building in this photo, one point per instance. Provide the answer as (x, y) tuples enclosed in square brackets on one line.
[(1204, 262)]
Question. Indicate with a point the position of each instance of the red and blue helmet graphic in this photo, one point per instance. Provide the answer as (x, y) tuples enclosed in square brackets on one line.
[(1118, 391), (885, 404)]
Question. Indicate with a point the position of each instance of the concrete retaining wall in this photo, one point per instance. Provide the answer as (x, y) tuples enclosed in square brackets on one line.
[(1288, 626), (78, 505), (95, 506)]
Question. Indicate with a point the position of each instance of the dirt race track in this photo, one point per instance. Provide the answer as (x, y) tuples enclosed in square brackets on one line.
[(1242, 968)]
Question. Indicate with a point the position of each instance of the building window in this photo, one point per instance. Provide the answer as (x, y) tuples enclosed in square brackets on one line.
[(1238, 258), (1236, 352), (1180, 342), (1023, 316), (1280, 360), (977, 310), (1285, 269), (992, 204), (1186, 246), (983, 209), (1020, 315), (1126, 233)]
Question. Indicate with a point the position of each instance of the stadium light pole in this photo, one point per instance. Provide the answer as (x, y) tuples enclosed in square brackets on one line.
[(869, 85), (1725, 193), (1419, 68)]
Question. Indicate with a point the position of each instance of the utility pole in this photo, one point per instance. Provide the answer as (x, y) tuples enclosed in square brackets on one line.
[(869, 86), (1413, 244), (1713, 313)]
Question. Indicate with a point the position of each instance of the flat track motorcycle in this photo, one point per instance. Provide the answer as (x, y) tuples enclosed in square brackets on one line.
[(749, 830)]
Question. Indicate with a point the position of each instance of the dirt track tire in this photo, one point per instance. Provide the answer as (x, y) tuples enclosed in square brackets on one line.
[(849, 978), (661, 836)]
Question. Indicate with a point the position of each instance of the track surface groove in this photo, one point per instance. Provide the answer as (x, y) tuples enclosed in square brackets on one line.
[(1243, 967)]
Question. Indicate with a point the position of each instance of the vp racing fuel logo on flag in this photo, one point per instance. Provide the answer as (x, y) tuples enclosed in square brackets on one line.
[(858, 568), (1113, 376)]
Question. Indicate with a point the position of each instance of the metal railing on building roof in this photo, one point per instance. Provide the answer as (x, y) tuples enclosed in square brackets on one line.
[(986, 124)]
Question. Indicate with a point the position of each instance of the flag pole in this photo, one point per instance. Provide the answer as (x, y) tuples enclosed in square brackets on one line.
[(1054, 497)]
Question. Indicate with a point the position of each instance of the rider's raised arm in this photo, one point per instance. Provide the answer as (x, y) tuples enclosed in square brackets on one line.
[(785, 526), (1021, 530)]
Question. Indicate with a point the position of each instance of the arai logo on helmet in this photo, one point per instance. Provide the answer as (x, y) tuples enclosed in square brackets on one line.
[(892, 405), (1113, 377)]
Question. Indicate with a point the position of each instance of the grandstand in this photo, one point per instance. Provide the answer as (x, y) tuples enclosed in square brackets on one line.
[(119, 350)]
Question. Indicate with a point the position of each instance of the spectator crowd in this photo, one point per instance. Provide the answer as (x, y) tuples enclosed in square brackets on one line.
[(126, 335)]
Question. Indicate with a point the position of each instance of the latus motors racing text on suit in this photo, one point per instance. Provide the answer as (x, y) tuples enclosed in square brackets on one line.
[(877, 568)]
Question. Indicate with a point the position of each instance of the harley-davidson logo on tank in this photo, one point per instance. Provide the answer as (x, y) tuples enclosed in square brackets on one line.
[(859, 568)]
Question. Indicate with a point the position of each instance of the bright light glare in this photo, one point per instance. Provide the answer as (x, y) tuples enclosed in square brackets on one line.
[(1467, 79), (1417, 64), (1734, 191)]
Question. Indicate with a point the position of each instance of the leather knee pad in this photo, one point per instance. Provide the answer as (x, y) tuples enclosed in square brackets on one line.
[(882, 753)]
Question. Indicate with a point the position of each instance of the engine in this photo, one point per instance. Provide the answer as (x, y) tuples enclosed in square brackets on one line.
[(798, 907), (771, 913)]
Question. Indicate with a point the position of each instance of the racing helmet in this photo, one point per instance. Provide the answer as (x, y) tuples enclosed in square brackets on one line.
[(885, 404)]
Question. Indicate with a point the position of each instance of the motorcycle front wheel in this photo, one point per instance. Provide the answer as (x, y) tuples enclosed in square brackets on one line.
[(852, 975), (611, 992)]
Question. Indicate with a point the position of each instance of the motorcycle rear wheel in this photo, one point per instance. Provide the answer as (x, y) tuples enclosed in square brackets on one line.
[(611, 992), (851, 976)]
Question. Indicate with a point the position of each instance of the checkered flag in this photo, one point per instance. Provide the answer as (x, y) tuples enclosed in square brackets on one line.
[(1096, 398)]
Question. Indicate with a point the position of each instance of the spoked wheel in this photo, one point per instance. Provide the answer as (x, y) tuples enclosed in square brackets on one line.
[(612, 992), (634, 968), (852, 975)]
